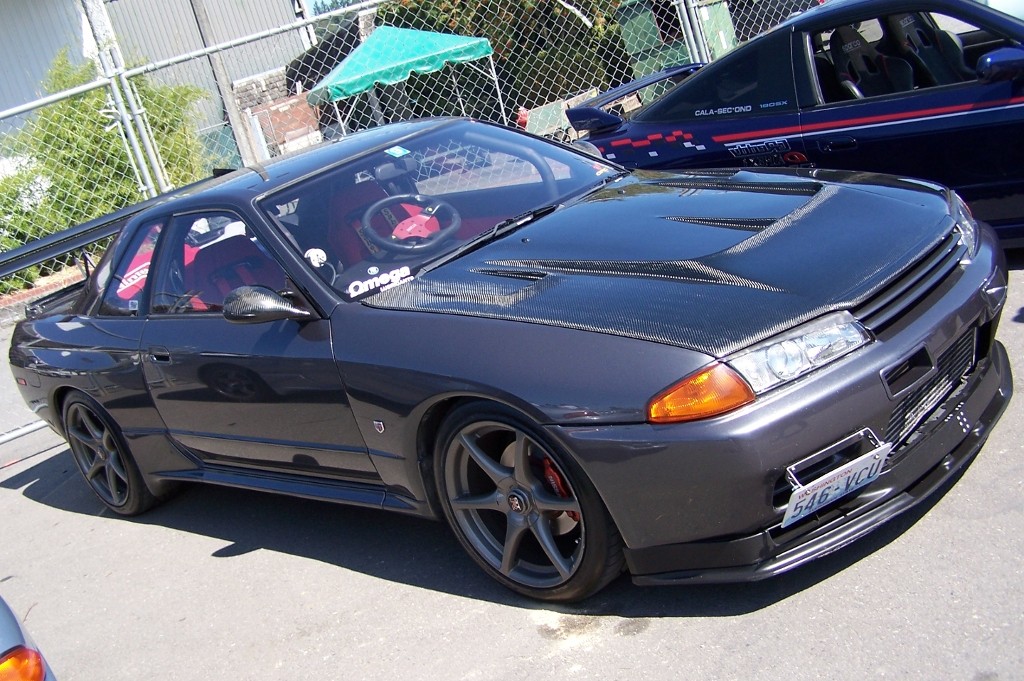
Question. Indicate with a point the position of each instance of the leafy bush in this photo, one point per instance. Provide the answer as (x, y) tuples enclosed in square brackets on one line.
[(72, 163)]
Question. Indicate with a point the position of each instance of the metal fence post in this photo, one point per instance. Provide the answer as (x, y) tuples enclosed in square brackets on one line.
[(220, 76), (138, 114), (124, 120)]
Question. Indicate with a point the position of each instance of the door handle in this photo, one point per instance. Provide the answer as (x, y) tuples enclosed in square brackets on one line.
[(160, 354), (837, 144)]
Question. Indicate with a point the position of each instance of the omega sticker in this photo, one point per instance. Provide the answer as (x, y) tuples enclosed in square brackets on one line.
[(380, 282)]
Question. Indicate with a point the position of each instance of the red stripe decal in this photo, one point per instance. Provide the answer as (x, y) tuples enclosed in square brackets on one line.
[(642, 143), (656, 136), (865, 120), (620, 143)]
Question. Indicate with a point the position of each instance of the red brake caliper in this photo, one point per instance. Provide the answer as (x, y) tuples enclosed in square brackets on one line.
[(557, 485)]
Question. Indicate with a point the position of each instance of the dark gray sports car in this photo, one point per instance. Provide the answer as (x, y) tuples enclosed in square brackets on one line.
[(712, 375)]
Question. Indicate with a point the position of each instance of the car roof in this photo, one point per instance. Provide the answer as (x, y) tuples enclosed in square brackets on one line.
[(837, 10), (259, 179)]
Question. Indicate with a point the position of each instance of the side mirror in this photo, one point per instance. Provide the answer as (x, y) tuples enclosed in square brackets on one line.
[(1006, 63), (591, 118), (586, 147), (258, 304)]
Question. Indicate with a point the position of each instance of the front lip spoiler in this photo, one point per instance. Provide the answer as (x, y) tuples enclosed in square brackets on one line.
[(849, 530)]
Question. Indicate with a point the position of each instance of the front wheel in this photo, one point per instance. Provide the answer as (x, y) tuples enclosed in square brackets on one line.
[(522, 508)]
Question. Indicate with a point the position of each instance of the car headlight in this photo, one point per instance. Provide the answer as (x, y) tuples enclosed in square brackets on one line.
[(799, 351), (965, 225), (721, 387)]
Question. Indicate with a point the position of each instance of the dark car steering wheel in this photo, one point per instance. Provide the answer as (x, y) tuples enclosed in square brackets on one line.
[(412, 244)]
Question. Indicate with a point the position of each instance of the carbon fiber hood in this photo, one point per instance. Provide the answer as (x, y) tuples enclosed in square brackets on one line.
[(712, 261)]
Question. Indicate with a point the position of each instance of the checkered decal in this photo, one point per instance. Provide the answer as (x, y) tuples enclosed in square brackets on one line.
[(609, 152)]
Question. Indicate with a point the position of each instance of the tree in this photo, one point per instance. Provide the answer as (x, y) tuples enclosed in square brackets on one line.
[(72, 163), (543, 50)]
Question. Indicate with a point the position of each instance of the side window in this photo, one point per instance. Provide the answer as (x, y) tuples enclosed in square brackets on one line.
[(124, 292), (891, 54), (747, 82), (207, 255)]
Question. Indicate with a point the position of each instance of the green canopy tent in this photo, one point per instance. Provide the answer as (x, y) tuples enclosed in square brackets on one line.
[(390, 55)]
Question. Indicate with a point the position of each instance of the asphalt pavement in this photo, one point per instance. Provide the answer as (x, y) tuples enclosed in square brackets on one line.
[(229, 584)]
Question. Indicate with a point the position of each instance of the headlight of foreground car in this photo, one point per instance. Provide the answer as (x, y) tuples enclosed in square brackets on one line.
[(722, 387), (966, 226), (799, 351), (22, 664)]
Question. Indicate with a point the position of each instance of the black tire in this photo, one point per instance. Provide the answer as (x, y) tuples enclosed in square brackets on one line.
[(103, 457), (522, 508)]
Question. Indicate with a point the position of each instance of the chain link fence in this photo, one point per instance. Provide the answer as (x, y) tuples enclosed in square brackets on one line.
[(111, 134)]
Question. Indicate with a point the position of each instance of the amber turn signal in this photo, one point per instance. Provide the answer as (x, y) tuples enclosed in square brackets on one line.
[(22, 664), (714, 390)]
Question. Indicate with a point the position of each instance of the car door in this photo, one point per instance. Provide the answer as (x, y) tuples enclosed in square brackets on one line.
[(738, 111), (958, 131), (268, 395)]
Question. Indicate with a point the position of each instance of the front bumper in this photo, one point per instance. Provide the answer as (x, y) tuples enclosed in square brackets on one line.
[(775, 551), (704, 501)]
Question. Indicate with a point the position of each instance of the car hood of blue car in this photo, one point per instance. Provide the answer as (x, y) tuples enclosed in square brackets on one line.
[(711, 261)]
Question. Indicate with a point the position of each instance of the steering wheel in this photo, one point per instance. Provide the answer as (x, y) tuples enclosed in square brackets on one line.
[(420, 239)]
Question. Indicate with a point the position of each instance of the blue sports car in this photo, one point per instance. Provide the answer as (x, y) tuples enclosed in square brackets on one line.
[(917, 88)]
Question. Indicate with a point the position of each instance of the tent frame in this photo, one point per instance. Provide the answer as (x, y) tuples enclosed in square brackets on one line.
[(378, 114), (334, 91)]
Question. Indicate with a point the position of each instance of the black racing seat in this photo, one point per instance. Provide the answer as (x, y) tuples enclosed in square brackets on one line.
[(831, 90), (937, 56), (862, 70)]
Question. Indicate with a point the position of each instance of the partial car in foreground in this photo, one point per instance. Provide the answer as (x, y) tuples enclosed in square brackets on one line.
[(20, 659), (710, 375), (916, 88)]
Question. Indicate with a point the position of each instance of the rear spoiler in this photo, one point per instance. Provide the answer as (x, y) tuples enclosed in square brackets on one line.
[(590, 114), (73, 238)]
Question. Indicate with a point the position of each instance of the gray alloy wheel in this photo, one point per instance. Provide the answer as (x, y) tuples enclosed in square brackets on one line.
[(103, 457), (522, 510)]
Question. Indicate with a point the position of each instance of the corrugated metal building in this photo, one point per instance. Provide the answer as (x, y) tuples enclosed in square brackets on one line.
[(32, 32)]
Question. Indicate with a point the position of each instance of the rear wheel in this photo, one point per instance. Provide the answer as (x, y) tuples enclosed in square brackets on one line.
[(522, 508), (103, 457)]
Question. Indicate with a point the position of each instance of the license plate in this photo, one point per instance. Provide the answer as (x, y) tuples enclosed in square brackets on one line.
[(835, 484)]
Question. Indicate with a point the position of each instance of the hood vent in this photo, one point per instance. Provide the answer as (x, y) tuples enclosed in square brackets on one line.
[(680, 270), (743, 224), (797, 188)]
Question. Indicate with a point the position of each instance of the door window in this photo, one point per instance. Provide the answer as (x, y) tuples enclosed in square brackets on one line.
[(208, 255), (895, 53)]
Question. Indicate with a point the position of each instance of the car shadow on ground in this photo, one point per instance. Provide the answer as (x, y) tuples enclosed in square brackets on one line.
[(418, 552)]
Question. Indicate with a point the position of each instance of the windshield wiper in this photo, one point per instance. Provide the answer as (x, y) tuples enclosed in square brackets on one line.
[(499, 230), (605, 181)]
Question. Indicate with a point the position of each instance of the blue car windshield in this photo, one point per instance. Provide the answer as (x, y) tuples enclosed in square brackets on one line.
[(374, 221)]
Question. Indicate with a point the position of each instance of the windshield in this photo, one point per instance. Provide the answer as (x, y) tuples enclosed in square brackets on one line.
[(374, 222)]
